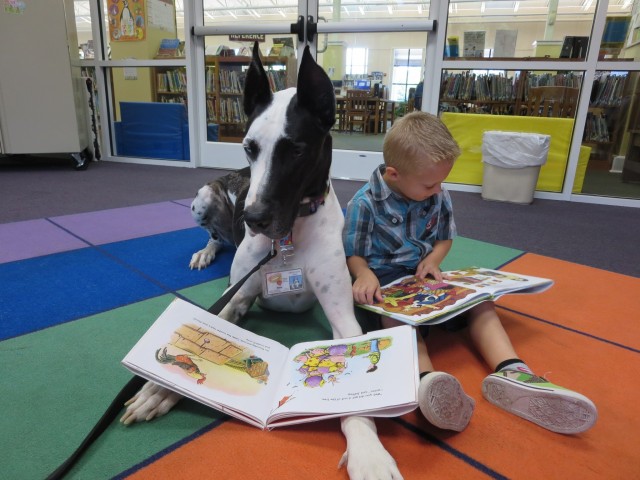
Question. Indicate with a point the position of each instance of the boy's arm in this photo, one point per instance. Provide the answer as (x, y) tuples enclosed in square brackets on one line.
[(430, 265), (366, 287)]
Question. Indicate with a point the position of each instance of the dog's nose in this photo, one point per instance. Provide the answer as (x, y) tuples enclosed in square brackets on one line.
[(258, 218)]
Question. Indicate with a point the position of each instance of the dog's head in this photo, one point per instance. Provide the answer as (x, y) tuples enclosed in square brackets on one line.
[(287, 144)]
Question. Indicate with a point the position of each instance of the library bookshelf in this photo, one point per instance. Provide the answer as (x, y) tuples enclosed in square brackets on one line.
[(224, 83), (224, 79), (499, 94)]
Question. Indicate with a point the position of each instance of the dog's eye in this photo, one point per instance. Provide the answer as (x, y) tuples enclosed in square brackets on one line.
[(252, 150), (299, 150)]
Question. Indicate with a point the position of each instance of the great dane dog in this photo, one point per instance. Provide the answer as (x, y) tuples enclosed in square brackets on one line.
[(288, 147)]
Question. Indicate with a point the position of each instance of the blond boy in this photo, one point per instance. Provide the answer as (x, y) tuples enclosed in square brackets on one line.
[(401, 223)]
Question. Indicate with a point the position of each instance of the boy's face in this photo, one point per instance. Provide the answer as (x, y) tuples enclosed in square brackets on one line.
[(418, 185)]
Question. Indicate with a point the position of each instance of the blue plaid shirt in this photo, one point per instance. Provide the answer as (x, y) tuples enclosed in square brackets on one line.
[(389, 230)]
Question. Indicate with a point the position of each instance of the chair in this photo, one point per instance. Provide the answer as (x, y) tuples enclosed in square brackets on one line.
[(558, 102), (357, 110), (341, 111)]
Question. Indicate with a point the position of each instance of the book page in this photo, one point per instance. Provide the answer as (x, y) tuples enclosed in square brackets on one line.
[(206, 358), (420, 301), (415, 301), (364, 374), (496, 282)]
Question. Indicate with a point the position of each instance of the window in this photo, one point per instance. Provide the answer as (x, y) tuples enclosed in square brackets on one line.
[(407, 69), (357, 61)]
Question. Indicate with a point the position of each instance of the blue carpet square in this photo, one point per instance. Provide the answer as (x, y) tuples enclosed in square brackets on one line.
[(44, 291), (165, 258)]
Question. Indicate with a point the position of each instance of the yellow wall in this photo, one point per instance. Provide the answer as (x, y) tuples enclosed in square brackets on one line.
[(468, 128), (141, 89)]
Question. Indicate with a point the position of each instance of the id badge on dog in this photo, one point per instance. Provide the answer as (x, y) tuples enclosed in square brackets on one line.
[(284, 277)]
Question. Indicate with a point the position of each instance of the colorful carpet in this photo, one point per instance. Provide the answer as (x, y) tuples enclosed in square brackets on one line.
[(78, 291)]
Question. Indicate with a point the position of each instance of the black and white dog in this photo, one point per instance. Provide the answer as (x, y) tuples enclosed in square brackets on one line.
[(288, 147)]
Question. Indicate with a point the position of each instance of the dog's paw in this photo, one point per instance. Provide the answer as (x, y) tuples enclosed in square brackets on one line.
[(150, 402), (366, 458), (370, 464), (202, 259)]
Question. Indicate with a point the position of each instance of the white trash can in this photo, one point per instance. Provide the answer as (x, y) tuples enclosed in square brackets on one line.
[(511, 165)]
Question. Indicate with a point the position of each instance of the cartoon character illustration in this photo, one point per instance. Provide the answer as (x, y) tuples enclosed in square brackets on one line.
[(182, 361), (210, 351), (326, 365), (415, 296), (374, 356), (127, 23), (254, 366)]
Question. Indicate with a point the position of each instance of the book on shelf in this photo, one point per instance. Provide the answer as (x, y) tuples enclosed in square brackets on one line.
[(427, 301), (170, 47), (265, 384), (172, 81)]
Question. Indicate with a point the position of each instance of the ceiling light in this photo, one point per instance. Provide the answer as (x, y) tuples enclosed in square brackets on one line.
[(483, 6)]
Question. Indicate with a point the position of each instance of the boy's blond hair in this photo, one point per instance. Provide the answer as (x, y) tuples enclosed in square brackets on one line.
[(416, 140)]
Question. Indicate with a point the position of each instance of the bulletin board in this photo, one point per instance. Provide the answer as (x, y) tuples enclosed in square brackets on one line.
[(127, 20)]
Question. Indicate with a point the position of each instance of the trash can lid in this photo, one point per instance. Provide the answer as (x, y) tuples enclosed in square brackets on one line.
[(515, 149)]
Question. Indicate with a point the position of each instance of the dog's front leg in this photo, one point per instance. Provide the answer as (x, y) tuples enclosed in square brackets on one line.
[(366, 458), (203, 258), (150, 402), (241, 302), (250, 251)]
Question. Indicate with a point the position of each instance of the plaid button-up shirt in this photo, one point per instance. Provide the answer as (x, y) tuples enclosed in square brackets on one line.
[(389, 230)]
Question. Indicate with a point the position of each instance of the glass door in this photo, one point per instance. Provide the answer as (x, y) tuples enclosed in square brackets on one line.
[(376, 49), (223, 37)]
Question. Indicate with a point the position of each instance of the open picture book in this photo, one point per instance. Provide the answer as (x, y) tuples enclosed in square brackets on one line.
[(266, 384), (427, 301)]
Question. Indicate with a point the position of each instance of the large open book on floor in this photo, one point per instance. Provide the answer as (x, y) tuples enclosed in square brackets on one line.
[(260, 381), (427, 302)]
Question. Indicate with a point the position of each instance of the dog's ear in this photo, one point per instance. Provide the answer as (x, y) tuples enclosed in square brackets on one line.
[(315, 91), (257, 92)]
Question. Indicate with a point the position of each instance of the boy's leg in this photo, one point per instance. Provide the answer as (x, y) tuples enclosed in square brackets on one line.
[(441, 398), (514, 388)]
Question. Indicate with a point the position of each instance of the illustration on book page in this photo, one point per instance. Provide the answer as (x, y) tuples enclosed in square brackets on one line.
[(214, 361)]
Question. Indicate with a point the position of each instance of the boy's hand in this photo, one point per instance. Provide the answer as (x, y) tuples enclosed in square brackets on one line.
[(366, 288), (427, 267)]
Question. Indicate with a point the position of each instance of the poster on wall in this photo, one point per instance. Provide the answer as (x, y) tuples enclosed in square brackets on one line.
[(474, 43), (161, 14), (126, 20)]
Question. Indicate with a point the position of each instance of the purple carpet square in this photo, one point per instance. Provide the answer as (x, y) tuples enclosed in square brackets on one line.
[(126, 223), (185, 201), (34, 238)]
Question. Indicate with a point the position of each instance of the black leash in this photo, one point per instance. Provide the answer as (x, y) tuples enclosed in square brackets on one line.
[(217, 307), (136, 383)]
